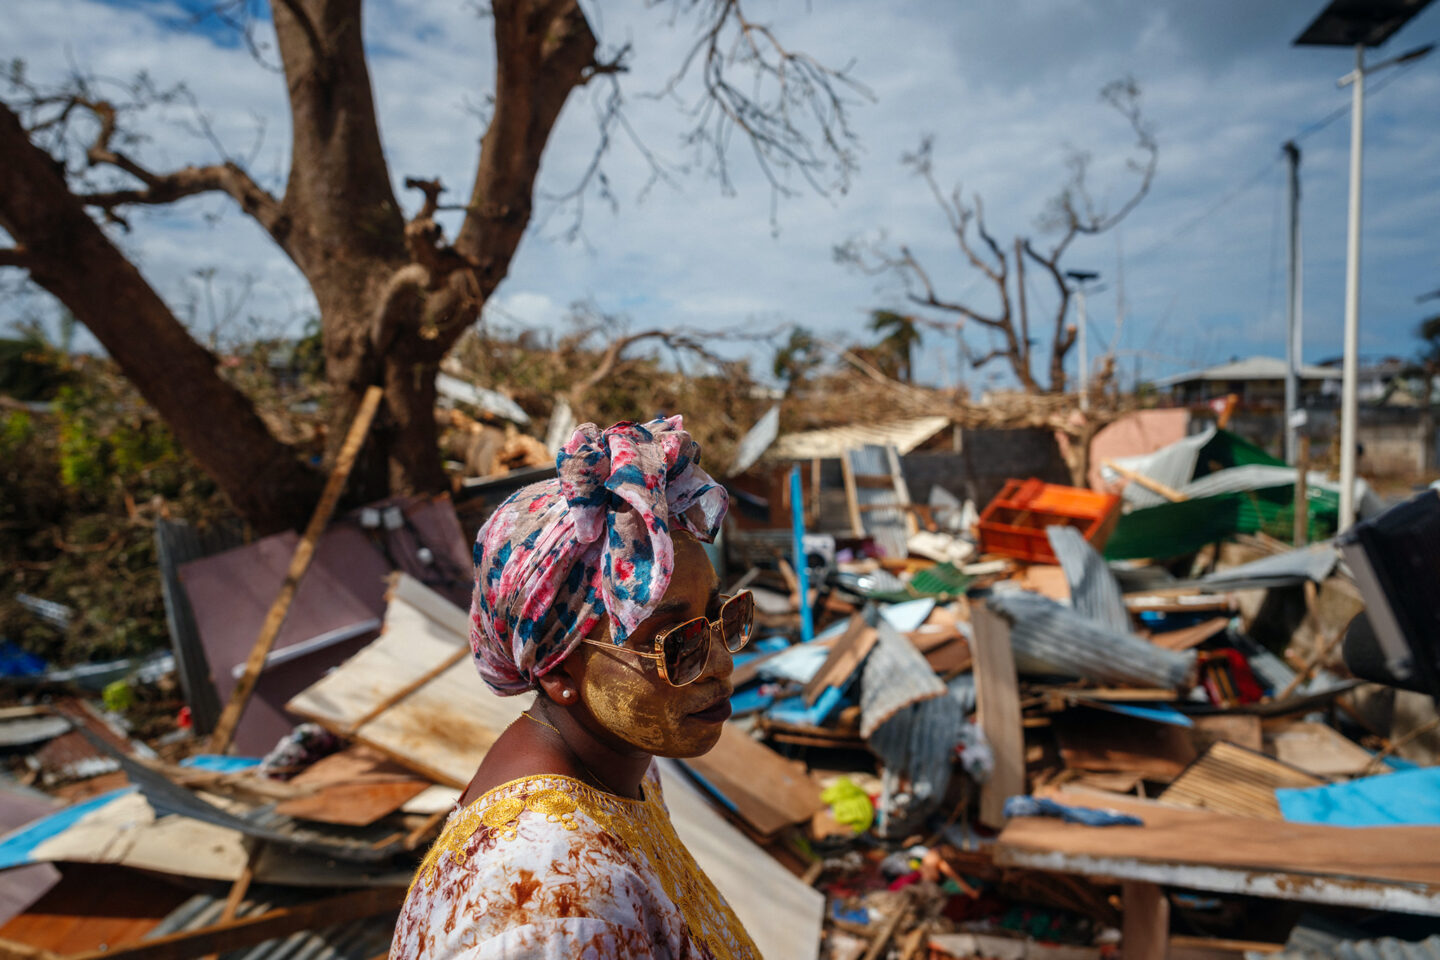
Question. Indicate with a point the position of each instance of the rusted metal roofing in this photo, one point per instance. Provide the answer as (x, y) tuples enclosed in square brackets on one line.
[(829, 443), (356, 940)]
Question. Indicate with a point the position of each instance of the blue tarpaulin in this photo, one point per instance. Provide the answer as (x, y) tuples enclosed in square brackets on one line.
[(1408, 798)]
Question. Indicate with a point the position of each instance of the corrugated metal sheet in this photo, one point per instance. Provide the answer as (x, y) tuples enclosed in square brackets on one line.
[(1292, 567), (881, 508), (372, 845), (1174, 466), (916, 748), (1050, 639), (756, 441), (911, 723), (1094, 591), (896, 675), (177, 543), (489, 401), (1309, 944), (356, 940), (828, 444)]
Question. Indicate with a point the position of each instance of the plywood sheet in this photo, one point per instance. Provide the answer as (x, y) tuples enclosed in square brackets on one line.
[(94, 907), (1241, 729), (1320, 749), (1175, 835), (356, 787), (768, 791), (1230, 779), (443, 728), (782, 914), (1094, 740)]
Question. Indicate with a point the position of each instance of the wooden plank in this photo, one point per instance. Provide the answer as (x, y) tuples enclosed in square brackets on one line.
[(1095, 740), (1189, 637), (354, 787), (768, 791), (1317, 748), (1179, 835), (299, 563), (845, 658), (1154, 486), (852, 496), (1110, 782), (1230, 779), (951, 658), (248, 931), (782, 915), (1241, 729), (997, 696), (902, 490), (1145, 934)]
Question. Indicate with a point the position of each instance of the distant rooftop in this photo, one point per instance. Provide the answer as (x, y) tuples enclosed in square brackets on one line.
[(1252, 368)]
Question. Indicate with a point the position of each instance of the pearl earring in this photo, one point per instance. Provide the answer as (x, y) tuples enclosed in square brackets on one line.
[(565, 694)]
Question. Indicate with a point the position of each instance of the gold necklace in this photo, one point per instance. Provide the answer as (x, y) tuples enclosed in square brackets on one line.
[(594, 777)]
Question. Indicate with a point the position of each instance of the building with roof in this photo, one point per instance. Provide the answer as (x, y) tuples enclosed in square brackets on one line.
[(1257, 381)]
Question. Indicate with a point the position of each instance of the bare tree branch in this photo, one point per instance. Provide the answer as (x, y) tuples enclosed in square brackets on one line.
[(789, 91), (16, 256)]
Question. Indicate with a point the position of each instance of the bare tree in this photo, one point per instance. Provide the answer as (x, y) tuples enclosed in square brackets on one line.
[(394, 294), (1070, 214)]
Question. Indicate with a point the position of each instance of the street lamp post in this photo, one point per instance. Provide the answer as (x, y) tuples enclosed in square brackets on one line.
[(1350, 368), (1081, 277), (1361, 25)]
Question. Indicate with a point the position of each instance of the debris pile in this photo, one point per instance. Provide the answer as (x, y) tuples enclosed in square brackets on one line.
[(957, 732)]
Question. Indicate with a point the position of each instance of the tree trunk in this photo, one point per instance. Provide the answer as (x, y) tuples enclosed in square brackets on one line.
[(68, 255)]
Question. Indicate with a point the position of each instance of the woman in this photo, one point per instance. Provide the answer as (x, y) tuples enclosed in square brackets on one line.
[(593, 591)]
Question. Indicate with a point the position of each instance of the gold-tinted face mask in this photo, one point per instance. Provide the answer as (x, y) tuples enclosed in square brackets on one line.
[(629, 697)]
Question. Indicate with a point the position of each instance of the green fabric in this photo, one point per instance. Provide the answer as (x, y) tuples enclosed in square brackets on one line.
[(1173, 529), (1227, 450)]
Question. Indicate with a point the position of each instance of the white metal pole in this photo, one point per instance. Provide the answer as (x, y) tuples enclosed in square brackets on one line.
[(1350, 371), (1084, 357)]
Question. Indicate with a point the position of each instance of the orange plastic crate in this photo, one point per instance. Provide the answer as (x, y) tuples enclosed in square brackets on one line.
[(1013, 524)]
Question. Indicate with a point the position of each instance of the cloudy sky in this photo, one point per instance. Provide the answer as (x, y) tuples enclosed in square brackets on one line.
[(1006, 89)]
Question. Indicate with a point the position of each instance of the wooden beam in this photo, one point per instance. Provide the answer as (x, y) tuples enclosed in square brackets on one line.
[(230, 718), (1154, 486), (248, 931), (852, 498), (997, 699), (387, 702), (1146, 929)]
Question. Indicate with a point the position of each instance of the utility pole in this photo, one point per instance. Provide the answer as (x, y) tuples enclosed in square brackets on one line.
[(1293, 322)]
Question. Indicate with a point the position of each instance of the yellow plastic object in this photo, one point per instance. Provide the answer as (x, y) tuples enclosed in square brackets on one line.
[(850, 804)]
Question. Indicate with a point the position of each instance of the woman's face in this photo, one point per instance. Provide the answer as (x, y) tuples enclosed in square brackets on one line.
[(628, 703)]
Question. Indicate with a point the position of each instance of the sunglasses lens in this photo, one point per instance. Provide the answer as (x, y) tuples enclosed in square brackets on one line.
[(737, 620), (686, 651)]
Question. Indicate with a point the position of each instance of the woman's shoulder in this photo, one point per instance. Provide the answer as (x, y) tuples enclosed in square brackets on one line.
[(531, 820), (531, 852)]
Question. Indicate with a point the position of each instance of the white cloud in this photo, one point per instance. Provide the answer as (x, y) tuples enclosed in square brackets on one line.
[(1005, 93)]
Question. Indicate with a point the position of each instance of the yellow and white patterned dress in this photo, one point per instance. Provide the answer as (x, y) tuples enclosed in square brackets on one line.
[(548, 867)]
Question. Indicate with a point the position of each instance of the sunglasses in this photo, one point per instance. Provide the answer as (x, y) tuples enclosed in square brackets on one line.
[(683, 651)]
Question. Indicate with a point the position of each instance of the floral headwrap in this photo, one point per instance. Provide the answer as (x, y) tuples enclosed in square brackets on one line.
[(559, 555)]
